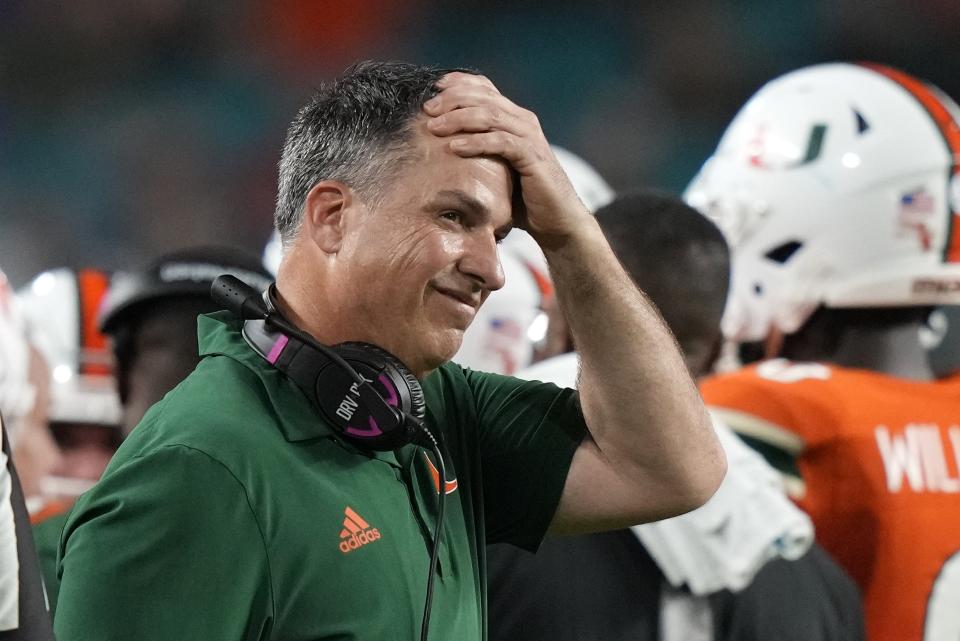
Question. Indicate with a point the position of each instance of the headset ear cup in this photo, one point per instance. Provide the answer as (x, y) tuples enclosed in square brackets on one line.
[(418, 404), (397, 372)]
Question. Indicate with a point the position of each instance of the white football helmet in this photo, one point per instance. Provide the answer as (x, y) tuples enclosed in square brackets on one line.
[(590, 186), (60, 307), (17, 395), (512, 321), (499, 338), (836, 185)]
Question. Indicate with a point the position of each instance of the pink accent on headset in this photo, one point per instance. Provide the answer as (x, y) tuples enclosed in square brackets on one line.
[(373, 431), (277, 349), (393, 401)]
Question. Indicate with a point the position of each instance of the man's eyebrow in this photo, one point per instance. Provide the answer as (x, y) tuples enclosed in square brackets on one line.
[(465, 201), (471, 206)]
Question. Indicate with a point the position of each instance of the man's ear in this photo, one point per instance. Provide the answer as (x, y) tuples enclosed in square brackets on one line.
[(323, 214)]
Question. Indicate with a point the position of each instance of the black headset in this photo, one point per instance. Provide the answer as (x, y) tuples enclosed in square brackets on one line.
[(370, 398)]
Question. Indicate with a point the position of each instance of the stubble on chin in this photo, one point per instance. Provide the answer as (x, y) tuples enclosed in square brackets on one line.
[(435, 351)]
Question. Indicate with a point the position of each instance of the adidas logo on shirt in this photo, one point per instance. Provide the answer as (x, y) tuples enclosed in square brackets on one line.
[(356, 532)]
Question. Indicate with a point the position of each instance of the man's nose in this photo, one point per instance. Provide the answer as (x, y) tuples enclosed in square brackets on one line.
[(481, 261)]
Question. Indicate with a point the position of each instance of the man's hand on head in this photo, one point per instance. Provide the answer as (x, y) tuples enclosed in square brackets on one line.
[(656, 456), (480, 121)]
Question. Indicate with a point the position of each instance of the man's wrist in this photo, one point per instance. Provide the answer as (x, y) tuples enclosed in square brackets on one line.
[(577, 238)]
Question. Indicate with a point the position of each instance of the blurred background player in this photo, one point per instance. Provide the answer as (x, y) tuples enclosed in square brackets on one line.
[(27, 405), (151, 317), (23, 611), (83, 411), (837, 186), (737, 568), (60, 308), (941, 337)]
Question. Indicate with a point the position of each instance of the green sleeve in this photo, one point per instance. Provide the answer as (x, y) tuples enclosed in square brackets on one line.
[(528, 432), (166, 546)]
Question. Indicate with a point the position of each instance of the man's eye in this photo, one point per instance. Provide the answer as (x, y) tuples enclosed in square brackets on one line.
[(452, 215)]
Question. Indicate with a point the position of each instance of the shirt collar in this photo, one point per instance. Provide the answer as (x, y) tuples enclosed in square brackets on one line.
[(219, 334)]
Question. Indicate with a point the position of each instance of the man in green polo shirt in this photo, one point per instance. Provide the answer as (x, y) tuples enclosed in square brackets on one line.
[(234, 511)]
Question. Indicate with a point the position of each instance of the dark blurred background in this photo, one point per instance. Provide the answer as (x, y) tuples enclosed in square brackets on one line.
[(132, 127)]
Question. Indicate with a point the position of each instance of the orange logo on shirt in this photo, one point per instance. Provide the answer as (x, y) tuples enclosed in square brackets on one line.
[(451, 486), (356, 532)]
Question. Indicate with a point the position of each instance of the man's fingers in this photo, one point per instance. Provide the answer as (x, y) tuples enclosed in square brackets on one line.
[(477, 119), (476, 108), (461, 77), (480, 121), (518, 152), (462, 96)]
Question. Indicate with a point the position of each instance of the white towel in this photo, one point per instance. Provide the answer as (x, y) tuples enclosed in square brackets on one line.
[(723, 544)]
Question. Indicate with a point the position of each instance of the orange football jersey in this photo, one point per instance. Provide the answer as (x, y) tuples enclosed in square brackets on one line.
[(875, 461)]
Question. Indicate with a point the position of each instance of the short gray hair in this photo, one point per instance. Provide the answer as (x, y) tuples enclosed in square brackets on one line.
[(354, 130)]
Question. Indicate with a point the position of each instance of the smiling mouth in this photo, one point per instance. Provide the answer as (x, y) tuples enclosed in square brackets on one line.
[(463, 299)]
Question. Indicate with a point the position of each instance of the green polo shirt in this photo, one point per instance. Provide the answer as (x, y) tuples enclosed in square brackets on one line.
[(232, 512)]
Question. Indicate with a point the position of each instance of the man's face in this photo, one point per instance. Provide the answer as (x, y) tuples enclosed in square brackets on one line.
[(415, 267)]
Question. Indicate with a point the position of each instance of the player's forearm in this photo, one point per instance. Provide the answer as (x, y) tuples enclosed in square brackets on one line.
[(640, 403)]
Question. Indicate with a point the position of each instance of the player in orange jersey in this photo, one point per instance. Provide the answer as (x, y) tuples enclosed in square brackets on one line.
[(838, 187)]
